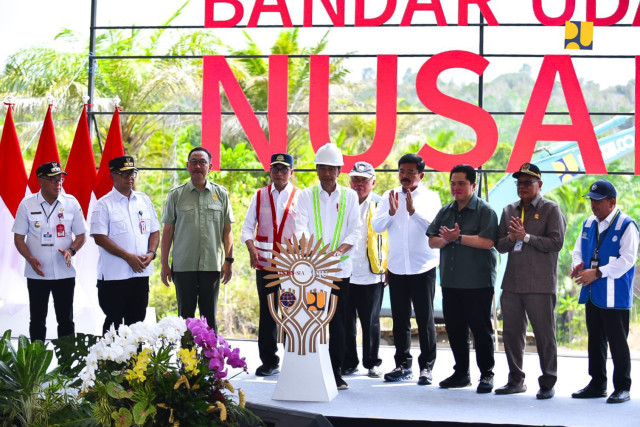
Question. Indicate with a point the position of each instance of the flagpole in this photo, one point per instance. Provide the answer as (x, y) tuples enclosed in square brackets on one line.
[(92, 64)]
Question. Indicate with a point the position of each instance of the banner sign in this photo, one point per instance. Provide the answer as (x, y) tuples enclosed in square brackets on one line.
[(217, 74)]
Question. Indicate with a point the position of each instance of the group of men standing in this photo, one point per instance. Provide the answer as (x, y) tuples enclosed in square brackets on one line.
[(397, 239)]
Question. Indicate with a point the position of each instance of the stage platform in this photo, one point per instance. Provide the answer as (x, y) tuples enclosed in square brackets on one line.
[(371, 401)]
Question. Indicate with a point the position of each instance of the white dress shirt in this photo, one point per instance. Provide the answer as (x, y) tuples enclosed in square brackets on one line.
[(305, 220), (628, 249), (35, 214), (119, 218), (361, 274), (280, 199), (409, 251)]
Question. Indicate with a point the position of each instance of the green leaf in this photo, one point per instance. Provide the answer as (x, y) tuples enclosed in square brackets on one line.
[(141, 411), (116, 391), (122, 418), (71, 351)]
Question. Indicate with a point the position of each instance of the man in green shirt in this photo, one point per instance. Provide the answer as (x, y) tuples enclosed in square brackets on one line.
[(197, 221), (464, 231)]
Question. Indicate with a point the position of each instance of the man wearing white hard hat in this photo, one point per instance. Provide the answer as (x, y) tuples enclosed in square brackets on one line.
[(337, 225)]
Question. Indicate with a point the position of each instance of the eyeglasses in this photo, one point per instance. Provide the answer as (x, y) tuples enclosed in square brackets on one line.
[(201, 162), (128, 174), (56, 181), (279, 169), (524, 183)]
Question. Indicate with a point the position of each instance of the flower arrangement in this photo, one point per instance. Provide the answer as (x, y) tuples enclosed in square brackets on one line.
[(174, 372)]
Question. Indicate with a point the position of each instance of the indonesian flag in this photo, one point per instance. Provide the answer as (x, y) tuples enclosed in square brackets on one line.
[(113, 148), (81, 165), (81, 168), (47, 150), (12, 165), (13, 289)]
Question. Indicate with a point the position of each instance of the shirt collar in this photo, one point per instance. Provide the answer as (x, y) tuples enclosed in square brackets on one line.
[(41, 198), (119, 196), (207, 186), (287, 188), (336, 191), (609, 217), (534, 202)]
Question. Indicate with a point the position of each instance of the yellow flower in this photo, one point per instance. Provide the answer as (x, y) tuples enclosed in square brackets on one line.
[(229, 387), (223, 411), (140, 367), (190, 360), (241, 398), (182, 380)]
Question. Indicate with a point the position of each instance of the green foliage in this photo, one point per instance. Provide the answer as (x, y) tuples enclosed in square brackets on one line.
[(70, 350), (31, 396)]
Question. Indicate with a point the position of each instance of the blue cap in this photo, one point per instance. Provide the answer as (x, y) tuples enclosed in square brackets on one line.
[(601, 189), (283, 159)]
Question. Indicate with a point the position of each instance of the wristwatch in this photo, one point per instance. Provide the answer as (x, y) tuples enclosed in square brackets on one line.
[(229, 260), (73, 251), (459, 240), (152, 252), (598, 273), (527, 237)]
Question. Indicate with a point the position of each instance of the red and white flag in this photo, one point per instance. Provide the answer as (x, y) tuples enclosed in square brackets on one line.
[(47, 150), (13, 289), (113, 148), (81, 168)]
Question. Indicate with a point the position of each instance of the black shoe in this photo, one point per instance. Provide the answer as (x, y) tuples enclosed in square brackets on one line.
[(590, 392), (619, 396), (267, 371), (341, 384), (511, 389), (545, 393), (485, 385), (349, 371), (398, 374), (456, 381), (425, 377)]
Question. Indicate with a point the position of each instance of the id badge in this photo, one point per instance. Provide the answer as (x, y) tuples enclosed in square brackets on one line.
[(143, 226), (60, 231), (518, 246), (595, 263), (46, 238)]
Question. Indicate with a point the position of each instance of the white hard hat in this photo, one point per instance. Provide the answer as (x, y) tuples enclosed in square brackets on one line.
[(329, 154)]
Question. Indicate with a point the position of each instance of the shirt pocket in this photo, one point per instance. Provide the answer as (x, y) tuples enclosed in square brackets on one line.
[(214, 213), (117, 224), (188, 213)]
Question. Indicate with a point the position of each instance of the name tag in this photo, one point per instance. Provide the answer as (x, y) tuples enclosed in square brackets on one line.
[(46, 238), (60, 231), (518, 246), (143, 226)]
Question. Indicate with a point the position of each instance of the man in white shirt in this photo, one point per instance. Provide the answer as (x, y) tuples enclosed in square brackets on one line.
[(259, 232), (406, 213), (54, 228), (337, 225), (366, 289), (604, 260), (125, 226)]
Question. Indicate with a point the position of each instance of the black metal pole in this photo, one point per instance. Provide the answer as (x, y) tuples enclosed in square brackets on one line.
[(92, 65), (480, 93)]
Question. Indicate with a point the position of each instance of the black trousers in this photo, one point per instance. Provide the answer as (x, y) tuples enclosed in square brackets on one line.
[(608, 326), (62, 291), (337, 326), (123, 301), (465, 309), (267, 328), (198, 289), (365, 301), (419, 289)]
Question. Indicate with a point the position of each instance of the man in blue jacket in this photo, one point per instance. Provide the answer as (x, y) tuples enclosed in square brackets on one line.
[(604, 261)]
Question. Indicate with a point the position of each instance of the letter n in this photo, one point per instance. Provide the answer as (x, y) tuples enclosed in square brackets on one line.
[(217, 73)]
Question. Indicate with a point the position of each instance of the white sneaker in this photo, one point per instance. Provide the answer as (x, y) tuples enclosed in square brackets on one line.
[(375, 372)]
